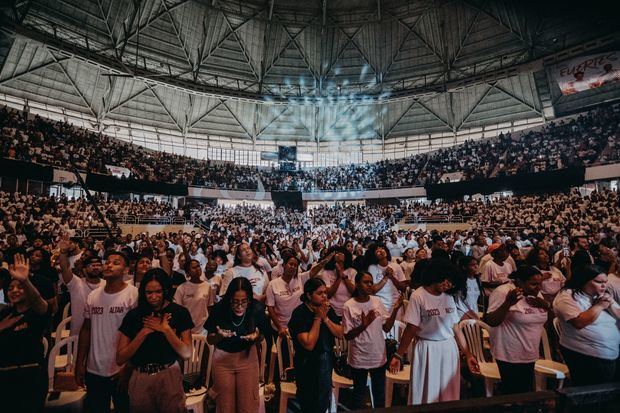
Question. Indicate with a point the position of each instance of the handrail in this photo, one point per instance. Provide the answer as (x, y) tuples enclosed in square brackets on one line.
[(437, 219)]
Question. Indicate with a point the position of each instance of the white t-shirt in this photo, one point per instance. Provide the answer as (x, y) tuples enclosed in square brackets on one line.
[(366, 351), (407, 268), (389, 293), (435, 315), (473, 293), (200, 257), (262, 262), (394, 248), (552, 285), (495, 273), (196, 297), (517, 338), (257, 278), (342, 294), (216, 284), (599, 339), (79, 289), (277, 271), (106, 313), (613, 286), (284, 297)]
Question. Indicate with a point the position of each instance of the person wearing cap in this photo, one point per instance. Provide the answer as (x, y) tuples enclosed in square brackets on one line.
[(496, 271), (103, 314), (78, 287)]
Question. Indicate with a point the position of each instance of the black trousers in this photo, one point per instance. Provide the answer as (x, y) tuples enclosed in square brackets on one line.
[(23, 390), (314, 383), (100, 391), (516, 377), (377, 380), (587, 370)]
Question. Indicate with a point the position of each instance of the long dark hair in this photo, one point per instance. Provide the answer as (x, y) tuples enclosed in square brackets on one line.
[(437, 271), (238, 284), (154, 274), (580, 276), (311, 286), (460, 280), (348, 258), (369, 256)]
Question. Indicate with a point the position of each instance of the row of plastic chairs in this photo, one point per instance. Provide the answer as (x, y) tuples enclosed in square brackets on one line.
[(546, 368)]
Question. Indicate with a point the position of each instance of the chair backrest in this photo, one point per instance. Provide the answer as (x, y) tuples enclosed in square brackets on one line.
[(63, 325), (211, 348), (193, 364), (71, 345), (545, 345), (472, 332), (291, 353), (341, 346), (65, 310), (557, 326), (397, 330), (46, 346)]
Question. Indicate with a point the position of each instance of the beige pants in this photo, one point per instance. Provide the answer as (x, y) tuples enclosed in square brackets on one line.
[(235, 379), (158, 393)]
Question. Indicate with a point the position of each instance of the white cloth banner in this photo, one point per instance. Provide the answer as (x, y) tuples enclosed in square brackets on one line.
[(118, 171), (66, 177), (587, 72)]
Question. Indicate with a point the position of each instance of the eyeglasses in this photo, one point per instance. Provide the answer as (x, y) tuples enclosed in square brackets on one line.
[(241, 303), (147, 292)]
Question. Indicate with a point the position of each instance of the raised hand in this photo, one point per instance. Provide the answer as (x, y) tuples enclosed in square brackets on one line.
[(64, 245), (604, 301), (20, 269)]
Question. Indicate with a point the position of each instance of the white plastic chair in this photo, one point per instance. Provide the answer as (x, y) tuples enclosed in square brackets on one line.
[(287, 390), (547, 368), (340, 382), (472, 332), (195, 399), (403, 376), (62, 331), (72, 400)]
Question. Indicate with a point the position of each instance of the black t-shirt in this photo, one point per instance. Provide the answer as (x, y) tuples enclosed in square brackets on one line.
[(155, 348), (49, 274), (44, 286), (301, 322), (22, 343), (223, 317)]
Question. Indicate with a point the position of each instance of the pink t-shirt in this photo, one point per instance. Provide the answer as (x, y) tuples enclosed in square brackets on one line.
[(342, 294)]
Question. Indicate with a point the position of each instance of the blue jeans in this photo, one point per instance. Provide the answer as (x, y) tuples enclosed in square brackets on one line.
[(314, 383), (377, 379)]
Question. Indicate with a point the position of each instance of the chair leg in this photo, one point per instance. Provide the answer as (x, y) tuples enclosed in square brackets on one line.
[(272, 365), (560, 384), (389, 388), (283, 403), (372, 398), (488, 387), (541, 381), (335, 395)]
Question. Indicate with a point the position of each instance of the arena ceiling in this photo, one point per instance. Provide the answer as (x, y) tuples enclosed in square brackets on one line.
[(306, 71)]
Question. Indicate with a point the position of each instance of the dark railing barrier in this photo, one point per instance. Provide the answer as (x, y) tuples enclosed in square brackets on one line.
[(108, 183), (25, 170), (522, 183), (590, 399)]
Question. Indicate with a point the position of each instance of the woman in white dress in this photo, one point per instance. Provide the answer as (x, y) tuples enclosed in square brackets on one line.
[(430, 316)]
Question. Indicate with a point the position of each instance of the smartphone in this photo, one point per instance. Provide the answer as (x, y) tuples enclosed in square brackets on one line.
[(565, 251)]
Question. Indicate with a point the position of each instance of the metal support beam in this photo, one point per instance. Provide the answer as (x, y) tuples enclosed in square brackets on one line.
[(521, 101), (176, 123), (359, 50), (342, 49), (484, 95), (417, 35), (290, 41), (31, 70), (402, 43), (243, 47), (204, 115), (465, 37), (104, 17), (77, 90), (401, 117), (178, 35), (301, 52), (282, 112), (247, 132), (129, 99)]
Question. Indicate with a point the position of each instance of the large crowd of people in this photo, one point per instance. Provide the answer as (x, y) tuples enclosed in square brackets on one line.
[(313, 278), (585, 140)]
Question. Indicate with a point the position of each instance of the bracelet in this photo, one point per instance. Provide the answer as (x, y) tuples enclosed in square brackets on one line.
[(398, 357)]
